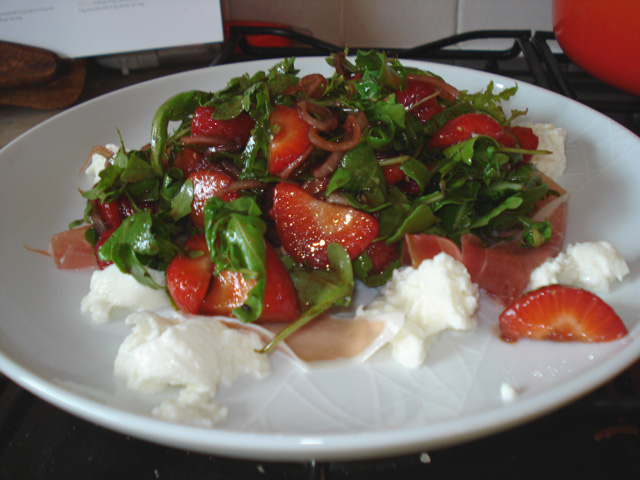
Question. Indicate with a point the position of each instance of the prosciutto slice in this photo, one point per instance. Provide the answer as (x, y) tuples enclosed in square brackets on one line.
[(330, 338), (71, 251), (423, 246), (501, 270)]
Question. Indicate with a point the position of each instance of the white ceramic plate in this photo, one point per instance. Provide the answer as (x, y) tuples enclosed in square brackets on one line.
[(377, 409)]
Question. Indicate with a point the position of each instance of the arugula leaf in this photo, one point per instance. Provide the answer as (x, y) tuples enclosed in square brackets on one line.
[(362, 267), (510, 203), (141, 242), (176, 108), (360, 173), (418, 219), (181, 201), (534, 233), (489, 102), (375, 66), (417, 171), (235, 236)]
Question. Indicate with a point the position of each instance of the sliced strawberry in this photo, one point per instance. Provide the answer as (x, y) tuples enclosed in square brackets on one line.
[(464, 127), (307, 225), (409, 186), (561, 313), (229, 291), (280, 296), (188, 278), (382, 255), (190, 160), (110, 213), (207, 184), (102, 264), (393, 174), (291, 138), (419, 97), (237, 129), (523, 137)]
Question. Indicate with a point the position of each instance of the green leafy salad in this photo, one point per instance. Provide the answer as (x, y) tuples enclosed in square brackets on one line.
[(267, 199)]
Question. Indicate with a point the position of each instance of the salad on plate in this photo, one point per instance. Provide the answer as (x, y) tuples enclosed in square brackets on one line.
[(257, 214)]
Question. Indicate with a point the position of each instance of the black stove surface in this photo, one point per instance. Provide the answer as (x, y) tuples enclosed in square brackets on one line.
[(594, 437)]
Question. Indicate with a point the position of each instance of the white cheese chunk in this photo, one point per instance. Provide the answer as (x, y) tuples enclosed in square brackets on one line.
[(552, 139), (593, 266), (112, 289), (198, 354), (192, 407), (99, 162), (508, 393), (436, 296)]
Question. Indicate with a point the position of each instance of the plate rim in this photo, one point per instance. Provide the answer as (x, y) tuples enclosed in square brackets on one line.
[(294, 447)]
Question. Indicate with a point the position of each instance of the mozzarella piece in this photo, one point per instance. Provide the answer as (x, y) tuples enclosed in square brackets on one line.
[(553, 139), (593, 266), (99, 162), (508, 392), (436, 296), (111, 289), (197, 353)]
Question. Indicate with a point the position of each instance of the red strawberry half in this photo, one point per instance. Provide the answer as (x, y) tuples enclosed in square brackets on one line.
[(463, 127), (190, 160), (522, 136), (307, 225), (382, 255), (188, 278), (229, 290), (561, 313), (291, 139), (419, 97), (237, 129), (208, 184), (194, 288)]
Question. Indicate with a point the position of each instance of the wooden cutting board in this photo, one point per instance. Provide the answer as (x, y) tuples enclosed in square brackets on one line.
[(37, 78)]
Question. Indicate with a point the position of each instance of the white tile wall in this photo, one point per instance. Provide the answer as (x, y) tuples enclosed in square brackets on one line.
[(397, 23), (393, 23)]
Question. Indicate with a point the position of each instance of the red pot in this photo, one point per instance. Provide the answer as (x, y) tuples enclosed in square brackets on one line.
[(603, 38)]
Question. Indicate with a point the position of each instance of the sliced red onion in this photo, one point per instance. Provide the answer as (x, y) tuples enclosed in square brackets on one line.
[(329, 165), (240, 185), (214, 144), (350, 139), (317, 116), (293, 166)]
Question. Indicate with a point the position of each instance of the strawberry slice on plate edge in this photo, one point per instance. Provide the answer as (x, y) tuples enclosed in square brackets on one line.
[(561, 313)]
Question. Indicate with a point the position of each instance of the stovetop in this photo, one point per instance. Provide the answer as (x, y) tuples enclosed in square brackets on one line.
[(594, 437)]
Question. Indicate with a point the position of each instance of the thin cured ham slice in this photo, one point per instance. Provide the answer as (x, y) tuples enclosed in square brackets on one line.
[(417, 247), (503, 270), (328, 338), (71, 251)]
